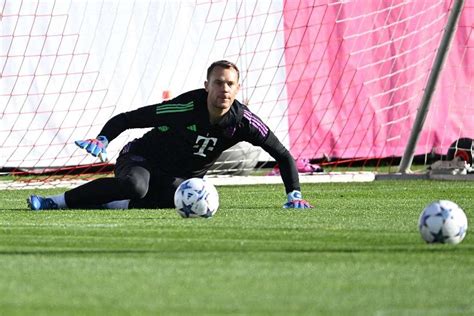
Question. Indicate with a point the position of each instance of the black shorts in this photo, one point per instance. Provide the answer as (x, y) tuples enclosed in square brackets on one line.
[(160, 186)]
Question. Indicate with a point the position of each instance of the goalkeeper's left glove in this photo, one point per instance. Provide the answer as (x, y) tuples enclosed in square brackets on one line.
[(295, 200), (96, 147)]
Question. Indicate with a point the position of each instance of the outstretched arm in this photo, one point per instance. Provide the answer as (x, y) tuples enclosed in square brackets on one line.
[(288, 171), (259, 134), (142, 117), (139, 118)]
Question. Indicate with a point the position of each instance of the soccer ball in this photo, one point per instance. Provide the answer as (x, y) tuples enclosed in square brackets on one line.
[(196, 197), (443, 222)]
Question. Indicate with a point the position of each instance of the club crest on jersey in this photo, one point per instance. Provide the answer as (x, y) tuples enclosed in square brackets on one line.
[(203, 144)]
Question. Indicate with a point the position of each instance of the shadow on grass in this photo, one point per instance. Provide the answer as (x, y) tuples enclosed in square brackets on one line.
[(446, 249)]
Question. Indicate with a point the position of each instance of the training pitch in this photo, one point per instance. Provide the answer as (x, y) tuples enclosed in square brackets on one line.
[(358, 252)]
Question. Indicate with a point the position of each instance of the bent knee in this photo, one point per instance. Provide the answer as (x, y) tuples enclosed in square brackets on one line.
[(135, 188)]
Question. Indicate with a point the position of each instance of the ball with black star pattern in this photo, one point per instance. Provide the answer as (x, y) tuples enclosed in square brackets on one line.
[(196, 198), (443, 221)]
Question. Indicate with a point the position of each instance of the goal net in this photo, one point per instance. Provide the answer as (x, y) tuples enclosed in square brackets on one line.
[(339, 82)]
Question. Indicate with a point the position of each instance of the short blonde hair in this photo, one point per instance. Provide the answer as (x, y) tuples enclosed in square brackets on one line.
[(223, 64)]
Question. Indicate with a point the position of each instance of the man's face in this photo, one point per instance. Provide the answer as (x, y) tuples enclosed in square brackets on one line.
[(222, 88)]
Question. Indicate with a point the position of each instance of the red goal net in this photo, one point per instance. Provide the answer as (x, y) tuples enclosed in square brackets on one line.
[(339, 82)]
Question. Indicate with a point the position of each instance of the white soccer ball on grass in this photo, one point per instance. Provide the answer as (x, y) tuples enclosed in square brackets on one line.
[(443, 222), (196, 197)]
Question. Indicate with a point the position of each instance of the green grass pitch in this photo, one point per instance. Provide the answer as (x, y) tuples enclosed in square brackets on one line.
[(357, 253)]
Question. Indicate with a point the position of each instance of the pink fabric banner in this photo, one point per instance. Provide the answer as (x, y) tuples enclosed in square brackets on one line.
[(356, 73)]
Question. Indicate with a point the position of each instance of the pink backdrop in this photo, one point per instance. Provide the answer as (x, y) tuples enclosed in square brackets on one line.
[(354, 86)]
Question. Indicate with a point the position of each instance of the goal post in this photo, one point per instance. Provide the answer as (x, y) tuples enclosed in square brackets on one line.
[(407, 158), (339, 82)]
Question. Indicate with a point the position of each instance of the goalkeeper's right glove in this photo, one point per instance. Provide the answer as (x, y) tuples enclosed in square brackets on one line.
[(96, 147)]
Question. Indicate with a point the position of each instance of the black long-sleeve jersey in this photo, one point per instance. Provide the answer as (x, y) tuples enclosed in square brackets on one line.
[(183, 143)]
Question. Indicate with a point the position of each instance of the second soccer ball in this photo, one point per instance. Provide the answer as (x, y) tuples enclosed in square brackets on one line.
[(443, 222)]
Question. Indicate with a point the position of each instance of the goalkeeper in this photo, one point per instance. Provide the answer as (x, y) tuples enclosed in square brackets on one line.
[(189, 133)]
